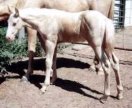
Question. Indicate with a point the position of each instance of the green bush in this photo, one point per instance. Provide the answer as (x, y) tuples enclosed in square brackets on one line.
[(13, 51), (10, 50)]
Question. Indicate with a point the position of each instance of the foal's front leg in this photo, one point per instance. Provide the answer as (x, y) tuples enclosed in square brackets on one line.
[(50, 48)]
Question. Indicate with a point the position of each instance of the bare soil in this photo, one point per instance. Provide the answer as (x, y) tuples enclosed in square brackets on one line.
[(76, 87)]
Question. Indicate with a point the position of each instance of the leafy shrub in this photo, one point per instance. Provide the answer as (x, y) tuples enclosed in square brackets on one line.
[(13, 51), (10, 50)]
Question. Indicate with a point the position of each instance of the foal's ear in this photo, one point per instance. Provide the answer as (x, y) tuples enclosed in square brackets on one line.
[(16, 13), (11, 9)]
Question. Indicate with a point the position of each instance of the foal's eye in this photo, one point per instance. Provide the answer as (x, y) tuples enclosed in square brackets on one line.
[(14, 24)]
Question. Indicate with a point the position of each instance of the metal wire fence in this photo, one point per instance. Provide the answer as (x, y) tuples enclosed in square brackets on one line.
[(123, 24), (123, 13), (119, 13)]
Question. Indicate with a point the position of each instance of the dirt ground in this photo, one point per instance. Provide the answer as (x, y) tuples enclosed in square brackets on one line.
[(76, 86)]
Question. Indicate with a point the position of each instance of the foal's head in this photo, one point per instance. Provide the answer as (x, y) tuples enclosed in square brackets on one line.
[(14, 24)]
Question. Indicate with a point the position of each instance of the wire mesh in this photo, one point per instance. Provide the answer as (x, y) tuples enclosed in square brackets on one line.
[(119, 13), (123, 13), (123, 24)]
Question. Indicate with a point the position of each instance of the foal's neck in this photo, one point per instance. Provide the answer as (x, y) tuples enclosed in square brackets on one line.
[(30, 19)]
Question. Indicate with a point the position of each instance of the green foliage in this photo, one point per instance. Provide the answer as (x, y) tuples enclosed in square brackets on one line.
[(10, 50), (39, 50), (13, 51)]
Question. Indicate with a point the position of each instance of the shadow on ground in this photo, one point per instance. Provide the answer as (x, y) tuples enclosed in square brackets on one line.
[(39, 64), (68, 85), (123, 62)]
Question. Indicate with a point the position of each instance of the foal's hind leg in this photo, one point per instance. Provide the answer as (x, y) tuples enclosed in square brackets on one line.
[(106, 67), (115, 65)]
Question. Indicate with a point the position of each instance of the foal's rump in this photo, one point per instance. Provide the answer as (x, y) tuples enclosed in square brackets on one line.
[(93, 27)]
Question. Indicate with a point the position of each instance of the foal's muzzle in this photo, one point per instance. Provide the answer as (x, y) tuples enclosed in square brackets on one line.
[(10, 38)]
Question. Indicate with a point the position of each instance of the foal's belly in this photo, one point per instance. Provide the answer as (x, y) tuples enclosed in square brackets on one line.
[(70, 37)]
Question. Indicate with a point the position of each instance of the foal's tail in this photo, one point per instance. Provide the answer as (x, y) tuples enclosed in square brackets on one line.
[(109, 39)]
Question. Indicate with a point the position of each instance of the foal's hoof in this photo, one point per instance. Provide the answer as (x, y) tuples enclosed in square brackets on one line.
[(24, 79), (99, 71), (92, 68), (103, 99), (120, 96), (43, 89), (53, 81)]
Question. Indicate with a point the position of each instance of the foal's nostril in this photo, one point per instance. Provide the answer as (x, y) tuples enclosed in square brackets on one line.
[(8, 38)]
